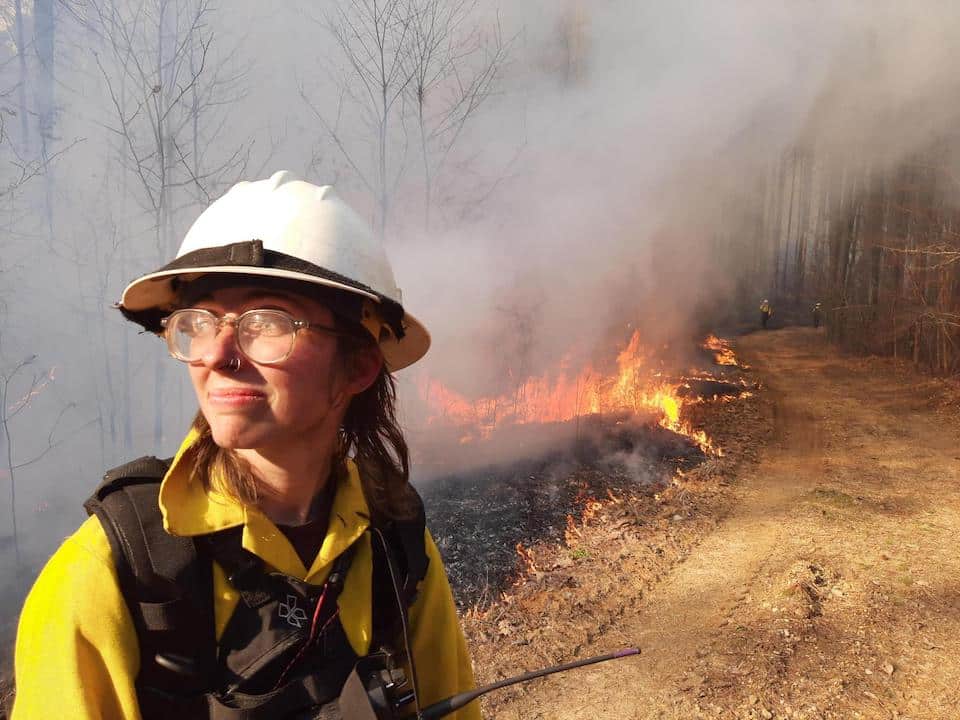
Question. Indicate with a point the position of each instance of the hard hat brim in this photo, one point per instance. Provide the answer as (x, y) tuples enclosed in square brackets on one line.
[(153, 295)]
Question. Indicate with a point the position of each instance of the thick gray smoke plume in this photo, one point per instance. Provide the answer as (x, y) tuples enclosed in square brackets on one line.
[(627, 168)]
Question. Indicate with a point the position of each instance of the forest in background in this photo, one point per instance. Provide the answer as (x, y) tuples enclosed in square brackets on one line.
[(877, 245)]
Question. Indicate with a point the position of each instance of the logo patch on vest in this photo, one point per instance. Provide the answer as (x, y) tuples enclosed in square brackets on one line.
[(292, 613)]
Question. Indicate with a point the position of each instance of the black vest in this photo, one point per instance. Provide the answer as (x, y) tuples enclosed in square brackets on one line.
[(283, 653)]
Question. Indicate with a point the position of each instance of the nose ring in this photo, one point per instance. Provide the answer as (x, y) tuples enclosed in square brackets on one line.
[(234, 365)]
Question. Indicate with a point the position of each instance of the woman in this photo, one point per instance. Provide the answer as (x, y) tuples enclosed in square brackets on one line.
[(284, 543)]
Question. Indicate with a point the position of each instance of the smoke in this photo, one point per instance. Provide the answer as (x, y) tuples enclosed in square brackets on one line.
[(626, 171)]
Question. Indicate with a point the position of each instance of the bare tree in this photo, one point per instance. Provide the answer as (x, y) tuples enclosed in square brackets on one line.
[(373, 38), (573, 43), (21, 45), (168, 103), (454, 65), (17, 395), (18, 167), (428, 63), (30, 34), (44, 34)]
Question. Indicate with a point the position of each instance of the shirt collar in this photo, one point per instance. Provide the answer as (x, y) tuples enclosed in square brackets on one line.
[(189, 509)]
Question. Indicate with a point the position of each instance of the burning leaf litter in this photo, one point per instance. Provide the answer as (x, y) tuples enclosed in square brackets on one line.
[(635, 441), (637, 385), (619, 540), (723, 354)]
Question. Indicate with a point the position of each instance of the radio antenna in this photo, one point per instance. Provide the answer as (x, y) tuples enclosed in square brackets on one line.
[(455, 702)]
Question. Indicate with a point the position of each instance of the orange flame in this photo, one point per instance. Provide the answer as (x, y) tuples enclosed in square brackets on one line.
[(591, 509), (722, 352), (560, 396), (529, 566)]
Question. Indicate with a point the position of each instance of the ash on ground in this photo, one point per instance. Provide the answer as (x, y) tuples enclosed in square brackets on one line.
[(478, 517)]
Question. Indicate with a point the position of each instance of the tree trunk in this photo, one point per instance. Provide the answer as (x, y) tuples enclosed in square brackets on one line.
[(22, 85), (43, 33), (794, 159), (427, 177), (778, 221)]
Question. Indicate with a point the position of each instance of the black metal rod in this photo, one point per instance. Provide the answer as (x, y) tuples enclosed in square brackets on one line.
[(455, 702)]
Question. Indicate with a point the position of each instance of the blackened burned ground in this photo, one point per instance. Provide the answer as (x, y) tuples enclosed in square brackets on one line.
[(698, 387), (478, 517)]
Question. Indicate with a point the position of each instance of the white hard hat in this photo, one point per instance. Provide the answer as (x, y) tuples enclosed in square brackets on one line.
[(288, 229)]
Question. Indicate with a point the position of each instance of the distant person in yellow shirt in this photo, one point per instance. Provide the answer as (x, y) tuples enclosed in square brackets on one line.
[(766, 312)]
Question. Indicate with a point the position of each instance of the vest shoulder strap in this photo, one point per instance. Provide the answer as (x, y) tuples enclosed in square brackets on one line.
[(149, 560), (399, 545), (164, 581)]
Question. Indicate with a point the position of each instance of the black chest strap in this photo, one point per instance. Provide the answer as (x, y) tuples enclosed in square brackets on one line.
[(281, 626)]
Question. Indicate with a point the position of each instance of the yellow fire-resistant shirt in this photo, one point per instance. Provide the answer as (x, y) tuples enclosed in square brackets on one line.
[(77, 654)]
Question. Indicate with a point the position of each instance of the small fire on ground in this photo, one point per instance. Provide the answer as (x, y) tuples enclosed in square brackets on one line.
[(638, 385), (591, 507), (623, 436), (723, 354)]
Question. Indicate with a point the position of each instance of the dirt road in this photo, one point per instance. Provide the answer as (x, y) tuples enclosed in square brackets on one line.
[(831, 588)]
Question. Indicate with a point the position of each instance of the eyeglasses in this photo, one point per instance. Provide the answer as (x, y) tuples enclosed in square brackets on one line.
[(266, 337)]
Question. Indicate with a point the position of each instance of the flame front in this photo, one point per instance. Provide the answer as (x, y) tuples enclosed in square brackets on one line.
[(529, 567), (722, 352), (562, 395)]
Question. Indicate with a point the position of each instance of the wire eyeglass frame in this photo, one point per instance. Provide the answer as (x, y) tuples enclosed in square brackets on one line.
[(235, 321)]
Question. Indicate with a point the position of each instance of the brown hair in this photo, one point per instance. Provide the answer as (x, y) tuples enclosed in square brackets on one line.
[(370, 434)]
